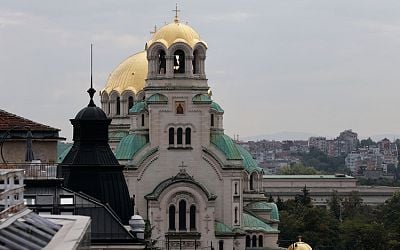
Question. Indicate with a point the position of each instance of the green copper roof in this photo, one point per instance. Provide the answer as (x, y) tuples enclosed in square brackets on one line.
[(249, 163), (221, 228), (157, 99), (201, 98), (216, 107), (267, 206), (226, 145), (117, 134), (138, 107), (62, 150), (129, 146), (251, 223)]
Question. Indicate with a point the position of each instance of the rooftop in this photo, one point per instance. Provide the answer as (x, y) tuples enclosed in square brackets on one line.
[(318, 176), (9, 121)]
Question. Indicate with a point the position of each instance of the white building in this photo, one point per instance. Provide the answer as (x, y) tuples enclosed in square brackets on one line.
[(194, 184)]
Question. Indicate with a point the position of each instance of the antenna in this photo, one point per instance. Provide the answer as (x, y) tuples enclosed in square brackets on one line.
[(91, 65), (91, 91)]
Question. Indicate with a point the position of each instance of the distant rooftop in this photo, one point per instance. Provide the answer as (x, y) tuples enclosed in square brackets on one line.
[(317, 176), (11, 121)]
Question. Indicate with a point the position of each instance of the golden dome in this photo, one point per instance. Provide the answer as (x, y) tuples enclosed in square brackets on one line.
[(176, 32), (129, 75), (300, 245)]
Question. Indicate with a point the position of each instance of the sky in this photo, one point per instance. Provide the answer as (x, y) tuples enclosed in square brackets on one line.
[(313, 66)]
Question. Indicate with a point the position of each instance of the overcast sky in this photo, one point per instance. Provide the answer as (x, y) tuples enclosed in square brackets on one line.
[(317, 66)]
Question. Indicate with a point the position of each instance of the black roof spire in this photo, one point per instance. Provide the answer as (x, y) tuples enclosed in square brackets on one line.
[(91, 91)]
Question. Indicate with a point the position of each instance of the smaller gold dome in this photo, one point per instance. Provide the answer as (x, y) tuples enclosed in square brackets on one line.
[(129, 75), (176, 32), (300, 245)]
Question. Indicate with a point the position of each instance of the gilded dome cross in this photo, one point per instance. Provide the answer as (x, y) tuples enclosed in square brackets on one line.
[(176, 10)]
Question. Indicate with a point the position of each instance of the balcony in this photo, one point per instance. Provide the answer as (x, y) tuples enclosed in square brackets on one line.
[(34, 171)]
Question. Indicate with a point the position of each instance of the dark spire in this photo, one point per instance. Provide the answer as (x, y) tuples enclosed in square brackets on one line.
[(91, 91)]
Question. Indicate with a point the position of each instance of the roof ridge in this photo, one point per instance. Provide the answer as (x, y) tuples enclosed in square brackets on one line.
[(26, 122)]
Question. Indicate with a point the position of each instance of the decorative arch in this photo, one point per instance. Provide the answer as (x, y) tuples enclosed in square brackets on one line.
[(157, 55)]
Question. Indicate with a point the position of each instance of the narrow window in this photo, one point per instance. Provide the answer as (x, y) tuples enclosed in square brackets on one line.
[(221, 245), (109, 108), (212, 120), (179, 133), (187, 136), (254, 241), (260, 241), (171, 136), (247, 240), (236, 215), (179, 62), (252, 181), (171, 217), (161, 62), (192, 217), (182, 215), (130, 102), (194, 62), (118, 106), (142, 120), (236, 191)]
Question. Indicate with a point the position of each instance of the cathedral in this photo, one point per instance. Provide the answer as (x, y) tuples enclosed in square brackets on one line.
[(194, 184)]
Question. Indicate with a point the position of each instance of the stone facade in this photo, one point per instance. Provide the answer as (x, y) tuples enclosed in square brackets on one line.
[(193, 183)]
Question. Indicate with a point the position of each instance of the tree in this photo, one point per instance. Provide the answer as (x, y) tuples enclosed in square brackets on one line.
[(304, 199), (367, 142), (271, 199), (352, 205), (335, 205), (297, 169)]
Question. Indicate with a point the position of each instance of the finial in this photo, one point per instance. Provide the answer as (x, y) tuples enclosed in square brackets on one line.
[(91, 91), (182, 168), (176, 10), (153, 31)]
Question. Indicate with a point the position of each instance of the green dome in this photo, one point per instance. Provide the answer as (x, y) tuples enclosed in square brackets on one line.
[(129, 146), (157, 99), (201, 99), (252, 223), (249, 163), (138, 107), (225, 144), (216, 107)]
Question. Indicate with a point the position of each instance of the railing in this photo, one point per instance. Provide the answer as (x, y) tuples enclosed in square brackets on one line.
[(34, 170)]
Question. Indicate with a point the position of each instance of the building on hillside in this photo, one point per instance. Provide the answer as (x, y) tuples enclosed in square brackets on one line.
[(321, 187), (14, 132), (194, 184), (319, 143)]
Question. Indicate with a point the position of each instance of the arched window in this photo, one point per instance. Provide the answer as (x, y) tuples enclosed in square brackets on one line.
[(195, 63), (171, 217), (252, 181), (118, 106), (260, 241), (130, 102), (182, 215), (192, 217), (161, 62), (188, 136), (236, 215), (171, 135), (179, 133), (212, 120), (142, 120), (254, 241), (221, 245), (179, 62), (247, 240)]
